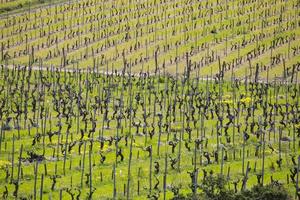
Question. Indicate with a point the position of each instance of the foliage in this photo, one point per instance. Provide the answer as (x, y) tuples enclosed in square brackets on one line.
[(214, 188), (268, 192)]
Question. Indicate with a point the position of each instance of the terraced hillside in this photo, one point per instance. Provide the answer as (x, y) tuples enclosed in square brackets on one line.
[(204, 37)]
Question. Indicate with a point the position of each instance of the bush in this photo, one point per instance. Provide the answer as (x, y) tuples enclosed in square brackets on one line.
[(214, 188), (269, 192)]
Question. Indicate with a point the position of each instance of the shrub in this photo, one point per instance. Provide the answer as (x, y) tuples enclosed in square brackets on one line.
[(214, 188), (269, 192)]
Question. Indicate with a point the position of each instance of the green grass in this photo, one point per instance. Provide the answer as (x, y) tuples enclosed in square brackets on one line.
[(104, 189)]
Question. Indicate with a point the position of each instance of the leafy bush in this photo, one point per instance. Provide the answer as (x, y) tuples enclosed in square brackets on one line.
[(268, 192), (214, 188)]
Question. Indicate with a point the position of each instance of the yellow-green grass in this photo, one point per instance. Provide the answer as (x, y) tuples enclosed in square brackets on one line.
[(170, 18)]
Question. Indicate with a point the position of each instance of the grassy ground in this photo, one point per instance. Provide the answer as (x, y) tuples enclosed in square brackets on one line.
[(140, 159), (98, 35), (10, 7)]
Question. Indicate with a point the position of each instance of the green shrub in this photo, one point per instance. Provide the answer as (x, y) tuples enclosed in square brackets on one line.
[(269, 192), (214, 188)]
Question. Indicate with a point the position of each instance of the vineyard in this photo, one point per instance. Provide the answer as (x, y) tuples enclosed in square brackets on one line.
[(148, 99), (241, 37)]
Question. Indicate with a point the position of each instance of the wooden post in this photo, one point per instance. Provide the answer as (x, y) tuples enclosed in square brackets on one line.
[(129, 167), (91, 170), (297, 177), (19, 166), (82, 165), (65, 153), (41, 188), (35, 179), (12, 159), (222, 161), (114, 180), (150, 171), (263, 161), (165, 175)]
